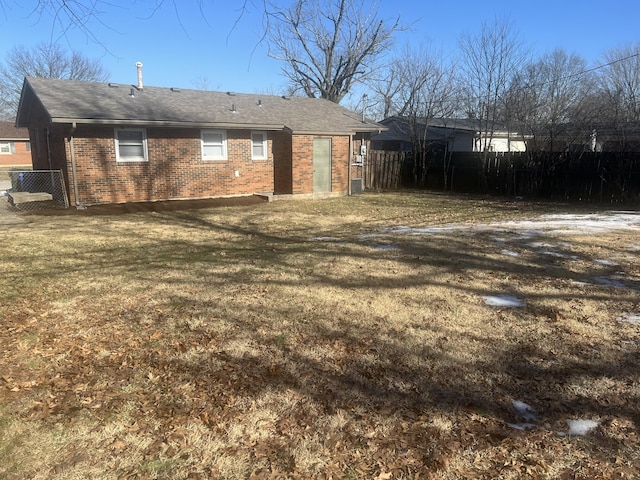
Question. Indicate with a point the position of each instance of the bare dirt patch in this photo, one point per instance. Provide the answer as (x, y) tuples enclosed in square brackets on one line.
[(318, 339)]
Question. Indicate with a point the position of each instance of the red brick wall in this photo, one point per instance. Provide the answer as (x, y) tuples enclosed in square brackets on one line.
[(303, 163), (175, 169), (340, 164), (21, 157)]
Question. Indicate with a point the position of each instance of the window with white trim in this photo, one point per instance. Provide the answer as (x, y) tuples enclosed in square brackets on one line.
[(131, 145), (259, 146), (214, 144), (5, 148)]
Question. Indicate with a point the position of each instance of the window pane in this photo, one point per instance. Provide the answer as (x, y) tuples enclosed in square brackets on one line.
[(258, 150), (212, 137), (131, 151), (130, 136), (5, 148), (213, 150), (214, 144)]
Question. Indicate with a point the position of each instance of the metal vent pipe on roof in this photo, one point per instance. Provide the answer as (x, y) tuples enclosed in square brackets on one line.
[(139, 68)]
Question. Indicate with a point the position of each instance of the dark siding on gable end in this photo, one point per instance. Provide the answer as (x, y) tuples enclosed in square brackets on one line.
[(283, 168)]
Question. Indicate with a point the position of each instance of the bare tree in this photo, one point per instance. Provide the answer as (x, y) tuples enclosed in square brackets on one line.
[(550, 97), (327, 47), (45, 61), (415, 82), (490, 60), (621, 80), (418, 87), (619, 98)]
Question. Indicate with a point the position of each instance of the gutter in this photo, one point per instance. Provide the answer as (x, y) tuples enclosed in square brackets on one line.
[(156, 123), (221, 125)]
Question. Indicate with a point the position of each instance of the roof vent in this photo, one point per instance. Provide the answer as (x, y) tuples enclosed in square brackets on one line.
[(174, 89), (233, 108), (113, 85), (285, 97), (132, 93), (231, 94), (259, 103)]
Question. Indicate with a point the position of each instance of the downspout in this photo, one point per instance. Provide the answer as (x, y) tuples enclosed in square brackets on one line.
[(48, 132), (350, 161), (48, 135), (73, 168)]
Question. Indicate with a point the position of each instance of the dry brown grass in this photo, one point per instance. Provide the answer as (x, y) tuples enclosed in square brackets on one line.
[(293, 340)]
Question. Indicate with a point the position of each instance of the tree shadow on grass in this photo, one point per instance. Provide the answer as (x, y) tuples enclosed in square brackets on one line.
[(366, 369)]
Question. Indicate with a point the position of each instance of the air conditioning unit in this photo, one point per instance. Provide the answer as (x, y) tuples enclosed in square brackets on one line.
[(357, 185)]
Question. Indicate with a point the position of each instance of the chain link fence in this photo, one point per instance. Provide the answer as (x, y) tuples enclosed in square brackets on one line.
[(30, 190)]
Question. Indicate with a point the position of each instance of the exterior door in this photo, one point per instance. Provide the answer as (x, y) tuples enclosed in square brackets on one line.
[(321, 165)]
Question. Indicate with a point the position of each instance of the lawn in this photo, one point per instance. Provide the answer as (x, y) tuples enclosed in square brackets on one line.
[(381, 336)]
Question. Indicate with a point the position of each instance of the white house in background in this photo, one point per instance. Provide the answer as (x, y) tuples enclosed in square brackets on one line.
[(454, 134)]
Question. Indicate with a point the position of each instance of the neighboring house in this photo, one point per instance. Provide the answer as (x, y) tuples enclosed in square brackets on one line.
[(450, 134), (15, 149), (122, 143)]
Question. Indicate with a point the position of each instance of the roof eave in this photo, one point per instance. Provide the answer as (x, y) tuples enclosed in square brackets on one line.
[(336, 132), (166, 123)]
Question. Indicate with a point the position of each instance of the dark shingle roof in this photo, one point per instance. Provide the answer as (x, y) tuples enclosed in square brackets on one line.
[(68, 101), (8, 131)]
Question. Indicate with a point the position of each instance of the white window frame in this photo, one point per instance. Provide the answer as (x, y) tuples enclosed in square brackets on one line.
[(222, 144), (263, 143), (5, 148), (126, 159)]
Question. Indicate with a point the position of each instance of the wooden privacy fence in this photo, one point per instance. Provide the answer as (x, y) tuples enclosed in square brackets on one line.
[(383, 170), (610, 177)]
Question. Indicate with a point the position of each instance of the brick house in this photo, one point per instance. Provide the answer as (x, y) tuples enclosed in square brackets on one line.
[(15, 149), (128, 143)]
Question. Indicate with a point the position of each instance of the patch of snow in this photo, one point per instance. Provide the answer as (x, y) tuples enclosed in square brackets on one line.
[(381, 246), (325, 239), (503, 301), (510, 253), (498, 239), (632, 318), (522, 426), (609, 282), (580, 427), (582, 224), (606, 263), (588, 224), (551, 253), (540, 245), (524, 410), (404, 230)]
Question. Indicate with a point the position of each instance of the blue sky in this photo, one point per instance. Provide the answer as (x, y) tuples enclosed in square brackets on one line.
[(181, 49)]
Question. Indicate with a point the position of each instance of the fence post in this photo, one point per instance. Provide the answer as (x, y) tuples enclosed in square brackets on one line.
[(453, 173)]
